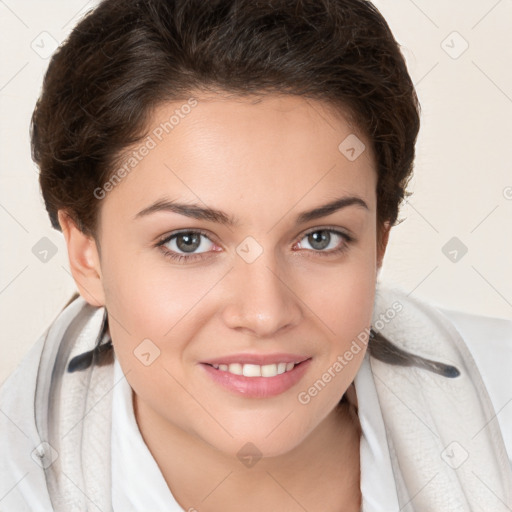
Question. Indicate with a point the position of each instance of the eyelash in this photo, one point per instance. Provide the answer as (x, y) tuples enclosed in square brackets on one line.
[(346, 241)]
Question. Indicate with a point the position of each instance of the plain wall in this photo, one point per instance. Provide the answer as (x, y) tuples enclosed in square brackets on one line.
[(462, 184)]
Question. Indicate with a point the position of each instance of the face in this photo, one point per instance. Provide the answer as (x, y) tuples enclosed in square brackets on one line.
[(217, 259)]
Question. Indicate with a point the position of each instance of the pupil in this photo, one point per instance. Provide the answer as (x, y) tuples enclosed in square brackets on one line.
[(189, 241), (320, 239)]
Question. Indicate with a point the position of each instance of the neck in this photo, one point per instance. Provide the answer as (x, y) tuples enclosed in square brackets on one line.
[(321, 473)]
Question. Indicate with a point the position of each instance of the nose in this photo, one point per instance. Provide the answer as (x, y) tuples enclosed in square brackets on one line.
[(261, 298)]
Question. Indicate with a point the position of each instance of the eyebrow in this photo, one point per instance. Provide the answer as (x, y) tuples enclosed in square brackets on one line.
[(195, 211)]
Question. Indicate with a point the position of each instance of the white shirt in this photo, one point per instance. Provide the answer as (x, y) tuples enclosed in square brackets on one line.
[(138, 484)]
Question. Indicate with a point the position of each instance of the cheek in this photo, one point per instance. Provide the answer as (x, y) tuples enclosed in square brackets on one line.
[(343, 302), (151, 298), (343, 297), (157, 313), (154, 318)]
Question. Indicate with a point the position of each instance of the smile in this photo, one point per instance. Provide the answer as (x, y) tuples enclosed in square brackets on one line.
[(256, 381), (255, 370)]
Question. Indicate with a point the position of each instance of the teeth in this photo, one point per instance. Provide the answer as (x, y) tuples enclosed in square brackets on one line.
[(269, 370), (235, 368), (251, 370), (255, 370)]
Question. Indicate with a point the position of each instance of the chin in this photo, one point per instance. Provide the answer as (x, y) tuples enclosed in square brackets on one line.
[(250, 449), (264, 438)]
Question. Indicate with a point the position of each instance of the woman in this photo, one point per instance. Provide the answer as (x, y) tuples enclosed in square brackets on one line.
[(226, 175)]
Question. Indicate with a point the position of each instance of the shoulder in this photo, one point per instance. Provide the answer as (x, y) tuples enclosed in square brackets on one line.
[(423, 327), (22, 479), (24, 404), (489, 341)]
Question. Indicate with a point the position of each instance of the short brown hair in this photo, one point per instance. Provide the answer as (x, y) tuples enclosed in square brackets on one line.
[(127, 57)]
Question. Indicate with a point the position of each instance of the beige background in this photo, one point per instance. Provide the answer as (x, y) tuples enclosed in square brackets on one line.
[(462, 184)]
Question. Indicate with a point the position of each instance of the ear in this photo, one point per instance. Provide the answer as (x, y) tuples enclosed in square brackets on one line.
[(84, 261), (382, 243)]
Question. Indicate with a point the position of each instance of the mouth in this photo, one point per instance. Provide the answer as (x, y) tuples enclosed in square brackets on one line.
[(253, 380), (256, 370)]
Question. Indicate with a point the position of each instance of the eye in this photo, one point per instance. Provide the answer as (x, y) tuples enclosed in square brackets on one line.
[(186, 245), (190, 245), (326, 241)]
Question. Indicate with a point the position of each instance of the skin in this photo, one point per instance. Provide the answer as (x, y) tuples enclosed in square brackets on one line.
[(263, 162)]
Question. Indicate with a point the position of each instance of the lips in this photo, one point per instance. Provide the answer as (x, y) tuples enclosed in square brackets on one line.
[(257, 375)]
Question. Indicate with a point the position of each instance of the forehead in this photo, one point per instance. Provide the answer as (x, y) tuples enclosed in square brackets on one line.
[(259, 150)]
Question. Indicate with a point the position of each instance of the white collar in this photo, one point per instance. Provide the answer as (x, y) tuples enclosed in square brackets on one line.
[(138, 484)]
